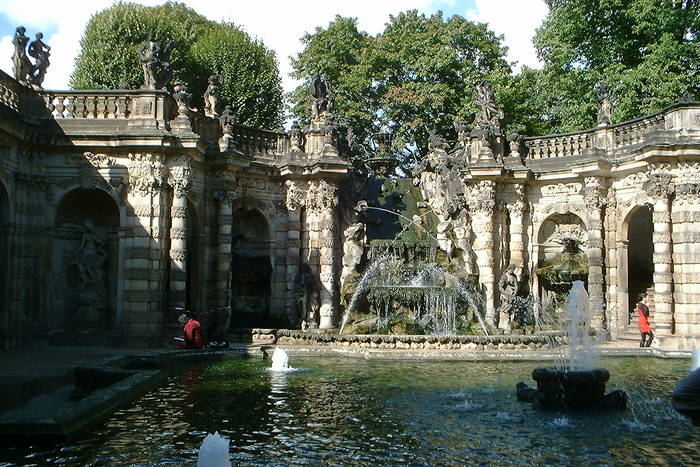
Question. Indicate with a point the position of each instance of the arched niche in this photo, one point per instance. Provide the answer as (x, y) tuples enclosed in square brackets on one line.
[(85, 262), (251, 269), (554, 234)]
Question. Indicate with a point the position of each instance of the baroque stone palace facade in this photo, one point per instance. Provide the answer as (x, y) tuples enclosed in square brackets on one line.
[(116, 206)]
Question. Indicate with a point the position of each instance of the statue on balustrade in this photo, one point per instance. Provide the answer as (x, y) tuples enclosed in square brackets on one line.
[(322, 97), (605, 104), (155, 61), (22, 67), (40, 51), (211, 97)]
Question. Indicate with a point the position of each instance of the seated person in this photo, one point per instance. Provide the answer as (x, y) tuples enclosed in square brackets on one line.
[(192, 332)]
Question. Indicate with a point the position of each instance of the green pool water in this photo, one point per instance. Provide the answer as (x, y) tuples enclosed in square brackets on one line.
[(334, 411)]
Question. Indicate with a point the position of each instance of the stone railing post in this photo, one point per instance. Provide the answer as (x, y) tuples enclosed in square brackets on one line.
[(660, 188), (180, 182), (482, 203), (595, 198)]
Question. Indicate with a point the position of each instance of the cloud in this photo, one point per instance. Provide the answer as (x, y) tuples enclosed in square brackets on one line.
[(279, 25), (517, 21)]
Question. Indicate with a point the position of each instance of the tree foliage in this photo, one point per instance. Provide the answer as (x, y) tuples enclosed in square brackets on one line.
[(416, 76), (250, 77), (646, 49)]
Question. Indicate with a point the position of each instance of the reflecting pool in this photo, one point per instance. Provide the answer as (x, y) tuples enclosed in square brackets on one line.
[(354, 412)]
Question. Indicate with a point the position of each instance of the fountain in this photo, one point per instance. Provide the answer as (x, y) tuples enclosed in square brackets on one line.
[(576, 384), (280, 360), (407, 291)]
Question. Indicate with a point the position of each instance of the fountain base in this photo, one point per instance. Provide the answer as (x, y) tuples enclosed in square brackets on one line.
[(571, 391)]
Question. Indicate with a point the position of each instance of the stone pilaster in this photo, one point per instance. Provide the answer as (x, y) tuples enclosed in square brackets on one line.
[(482, 204), (296, 198), (685, 219), (180, 182), (595, 198), (660, 188), (321, 201), (223, 255), (516, 211), (144, 268)]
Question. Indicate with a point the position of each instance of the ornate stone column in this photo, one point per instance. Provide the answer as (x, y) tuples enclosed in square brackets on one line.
[(516, 210), (321, 200), (180, 182), (659, 186), (482, 204), (223, 256), (595, 198), (295, 201)]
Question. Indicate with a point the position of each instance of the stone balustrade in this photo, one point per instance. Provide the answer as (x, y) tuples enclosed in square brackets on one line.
[(88, 104), (634, 131), (572, 144)]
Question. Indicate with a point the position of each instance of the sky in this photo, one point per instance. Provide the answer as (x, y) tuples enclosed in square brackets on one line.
[(278, 23)]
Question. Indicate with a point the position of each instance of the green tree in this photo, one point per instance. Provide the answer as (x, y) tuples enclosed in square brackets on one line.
[(646, 49), (416, 76), (251, 82)]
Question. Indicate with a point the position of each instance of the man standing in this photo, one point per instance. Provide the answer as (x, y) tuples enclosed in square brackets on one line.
[(643, 314)]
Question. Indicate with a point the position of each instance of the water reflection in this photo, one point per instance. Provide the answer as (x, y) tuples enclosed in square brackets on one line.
[(344, 412)]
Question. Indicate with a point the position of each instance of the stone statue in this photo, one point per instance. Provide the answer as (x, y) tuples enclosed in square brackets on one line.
[(211, 97), (22, 67), (306, 294), (90, 259), (605, 105), (322, 97), (508, 286), (353, 248), (489, 113), (227, 119), (464, 238), (462, 131), (155, 61), (40, 51)]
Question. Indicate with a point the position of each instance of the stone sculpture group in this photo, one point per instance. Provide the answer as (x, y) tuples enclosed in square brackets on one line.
[(25, 72)]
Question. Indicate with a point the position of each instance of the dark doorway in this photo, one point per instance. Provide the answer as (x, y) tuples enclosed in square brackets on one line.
[(640, 253), (251, 270)]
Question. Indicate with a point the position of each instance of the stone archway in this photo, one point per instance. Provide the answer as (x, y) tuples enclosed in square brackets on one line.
[(251, 269), (85, 262)]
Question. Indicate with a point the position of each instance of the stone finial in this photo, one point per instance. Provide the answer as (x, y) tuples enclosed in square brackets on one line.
[(211, 97), (295, 137), (515, 142), (182, 97), (227, 120), (605, 104), (462, 130), (22, 67), (322, 97), (155, 61)]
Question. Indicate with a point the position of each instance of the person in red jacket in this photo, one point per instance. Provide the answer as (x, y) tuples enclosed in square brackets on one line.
[(643, 314), (193, 332)]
